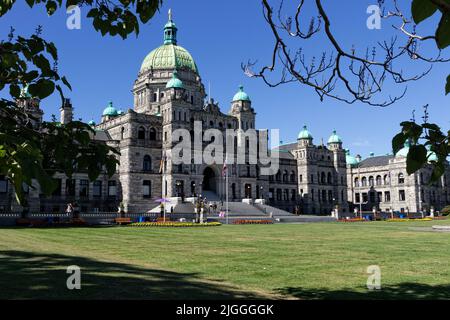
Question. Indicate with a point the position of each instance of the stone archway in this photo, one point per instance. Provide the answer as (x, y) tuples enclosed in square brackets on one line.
[(209, 180)]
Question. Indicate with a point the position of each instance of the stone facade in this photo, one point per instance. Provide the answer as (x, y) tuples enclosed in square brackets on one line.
[(169, 95), (381, 183)]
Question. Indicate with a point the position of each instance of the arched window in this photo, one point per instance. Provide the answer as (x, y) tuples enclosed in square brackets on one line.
[(122, 133), (285, 176), (322, 178), (152, 135), (378, 181), (364, 181), (141, 133), (401, 178), (329, 178), (278, 176), (371, 182), (155, 97), (356, 182), (292, 176), (386, 179)]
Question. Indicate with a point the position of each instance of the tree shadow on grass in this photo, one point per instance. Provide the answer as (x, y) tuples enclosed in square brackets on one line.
[(29, 275), (402, 291)]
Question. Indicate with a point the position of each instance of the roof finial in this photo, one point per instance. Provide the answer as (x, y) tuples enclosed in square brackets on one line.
[(170, 14)]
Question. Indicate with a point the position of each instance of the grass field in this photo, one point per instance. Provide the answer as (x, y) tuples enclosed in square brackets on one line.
[(306, 261)]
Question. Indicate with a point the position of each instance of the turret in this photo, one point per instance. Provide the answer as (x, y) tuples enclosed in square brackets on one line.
[(31, 105), (305, 138), (241, 108), (334, 142), (66, 112)]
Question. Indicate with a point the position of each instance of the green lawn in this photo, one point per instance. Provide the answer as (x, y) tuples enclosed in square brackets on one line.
[(319, 260)]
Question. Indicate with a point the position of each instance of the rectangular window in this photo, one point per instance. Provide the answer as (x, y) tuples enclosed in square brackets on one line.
[(387, 196), (365, 197), (357, 197), (293, 195), (301, 178), (330, 196), (70, 187), (379, 196), (312, 178), (147, 189), (401, 195), (112, 188), (279, 194), (372, 197), (84, 188), (97, 191), (3, 185)]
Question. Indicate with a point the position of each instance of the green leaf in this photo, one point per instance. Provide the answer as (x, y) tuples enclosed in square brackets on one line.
[(64, 80), (417, 157), (443, 32), (431, 126), (51, 7), (42, 89), (422, 9), (398, 142), (447, 86), (14, 90)]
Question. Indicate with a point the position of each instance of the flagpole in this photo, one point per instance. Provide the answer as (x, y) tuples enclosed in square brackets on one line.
[(226, 194)]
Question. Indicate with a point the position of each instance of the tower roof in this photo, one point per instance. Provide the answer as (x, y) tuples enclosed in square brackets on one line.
[(334, 138), (403, 152), (175, 82), (241, 95), (110, 110), (169, 55), (305, 134), (350, 159)]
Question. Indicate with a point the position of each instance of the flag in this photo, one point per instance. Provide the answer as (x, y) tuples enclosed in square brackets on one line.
[(224, 168), (161, 164)]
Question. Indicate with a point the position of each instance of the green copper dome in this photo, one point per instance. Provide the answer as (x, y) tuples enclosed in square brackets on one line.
[(334, 138), (241, 95), (351, 160), (91, 123), (431, 155), (169, 55), (175, 82), (110, 110), (305, 134), (403, 152)]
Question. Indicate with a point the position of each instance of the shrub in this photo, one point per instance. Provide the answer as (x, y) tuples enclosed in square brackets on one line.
[(174, 224), (445, 211), (243, 221)]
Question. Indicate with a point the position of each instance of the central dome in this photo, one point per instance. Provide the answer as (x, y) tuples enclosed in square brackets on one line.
[(169, 55)]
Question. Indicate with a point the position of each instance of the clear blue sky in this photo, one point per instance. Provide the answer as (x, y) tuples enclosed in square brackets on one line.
[(220, 35)]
